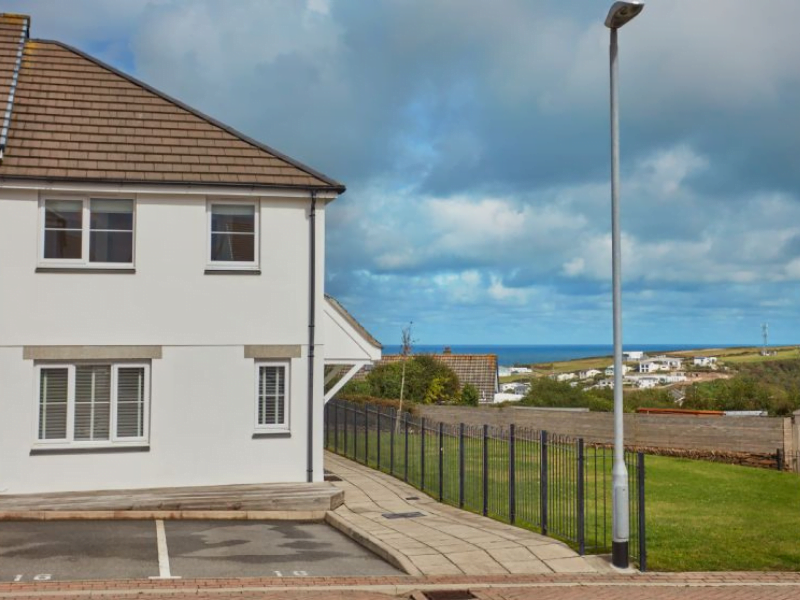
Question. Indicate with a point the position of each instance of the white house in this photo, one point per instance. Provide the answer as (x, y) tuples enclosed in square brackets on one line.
[(704, 361), (609, 372), (162, 301), (648, 366), (633, 355), (562, 377), (668, 363), (589, 373), (519, 370)]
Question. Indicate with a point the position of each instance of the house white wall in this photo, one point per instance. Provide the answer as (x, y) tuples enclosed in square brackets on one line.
[(203, 388)]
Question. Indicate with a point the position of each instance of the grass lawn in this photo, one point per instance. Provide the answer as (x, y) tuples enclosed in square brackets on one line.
[(704, 516)]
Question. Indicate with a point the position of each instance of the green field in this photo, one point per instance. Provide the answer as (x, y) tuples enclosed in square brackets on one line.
[(701, 516), (704, 516)]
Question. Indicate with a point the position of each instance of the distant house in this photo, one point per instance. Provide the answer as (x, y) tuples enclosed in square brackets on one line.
[(479, 370), (589, 373), (520, 370), (704, 361), (605, 383), (633, 355), (668, 363), (516, 387), (609, 372), (561, 377), (646, 382), (648, 366)]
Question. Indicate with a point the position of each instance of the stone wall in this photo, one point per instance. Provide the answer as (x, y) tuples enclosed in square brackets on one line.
[(751, 435)]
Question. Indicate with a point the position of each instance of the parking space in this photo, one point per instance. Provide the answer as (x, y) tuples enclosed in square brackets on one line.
[(69, 550), (80, 550)]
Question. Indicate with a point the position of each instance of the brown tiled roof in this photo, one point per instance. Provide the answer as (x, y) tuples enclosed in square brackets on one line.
[(76, 118), (478, 369)]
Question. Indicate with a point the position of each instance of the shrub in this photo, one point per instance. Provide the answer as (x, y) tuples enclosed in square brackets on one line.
[(469, 395)]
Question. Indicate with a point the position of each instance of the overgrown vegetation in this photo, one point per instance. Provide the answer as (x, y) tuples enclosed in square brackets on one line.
[(773, 386), (549, 393), (427, 381)]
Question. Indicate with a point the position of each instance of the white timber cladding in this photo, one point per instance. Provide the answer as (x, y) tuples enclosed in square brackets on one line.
[(190, 328)]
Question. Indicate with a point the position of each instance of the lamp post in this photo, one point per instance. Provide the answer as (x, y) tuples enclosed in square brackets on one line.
[(619, 14)]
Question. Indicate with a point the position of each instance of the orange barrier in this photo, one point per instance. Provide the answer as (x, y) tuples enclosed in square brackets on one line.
[(680, 411)]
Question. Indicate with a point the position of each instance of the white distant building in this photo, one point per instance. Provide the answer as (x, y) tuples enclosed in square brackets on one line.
[(644, 383), (563, 376), (589, 373), (516, 387), (632, 355), (668, 363), (704, 361), (503, 371), (672, 378), (519, 370), (605, 383), (648, 366), (609, 372)]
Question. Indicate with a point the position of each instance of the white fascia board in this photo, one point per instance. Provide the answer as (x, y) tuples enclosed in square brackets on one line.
[(361, 349), (161, 189)]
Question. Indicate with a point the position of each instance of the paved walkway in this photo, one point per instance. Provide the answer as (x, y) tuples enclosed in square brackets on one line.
[(446, 540), (552, 586)]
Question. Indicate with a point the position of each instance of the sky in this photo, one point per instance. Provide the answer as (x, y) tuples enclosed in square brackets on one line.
[(473, 138)]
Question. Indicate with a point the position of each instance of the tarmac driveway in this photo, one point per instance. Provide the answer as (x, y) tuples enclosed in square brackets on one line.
[(81, 550)]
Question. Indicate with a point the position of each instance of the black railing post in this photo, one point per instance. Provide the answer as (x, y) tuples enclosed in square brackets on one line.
[(336, 427), (366, 434), (344, 418), (422, 456), (392, 422), (378, 417), (485, 470), (512, 477), (441, 461), (355, 432), (779, 459), (543, 480), (461, 465), (642, 533), (405, 462), (581, 504)]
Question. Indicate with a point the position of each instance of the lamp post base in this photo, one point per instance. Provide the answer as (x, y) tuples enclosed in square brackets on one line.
[(619, 554)]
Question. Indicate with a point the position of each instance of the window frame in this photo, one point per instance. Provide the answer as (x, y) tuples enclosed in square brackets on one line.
[(227, 265), (86, 233), (113, 441), (277, 427)]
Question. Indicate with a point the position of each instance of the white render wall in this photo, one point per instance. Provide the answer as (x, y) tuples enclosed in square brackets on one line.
[(202, 389)]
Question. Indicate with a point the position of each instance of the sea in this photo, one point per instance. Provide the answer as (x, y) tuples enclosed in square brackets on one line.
[(511, 355)]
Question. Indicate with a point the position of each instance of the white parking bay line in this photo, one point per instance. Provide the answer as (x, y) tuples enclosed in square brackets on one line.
[(163, 553)]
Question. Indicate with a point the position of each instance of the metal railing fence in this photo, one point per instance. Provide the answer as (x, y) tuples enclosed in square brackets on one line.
[(553, 484)]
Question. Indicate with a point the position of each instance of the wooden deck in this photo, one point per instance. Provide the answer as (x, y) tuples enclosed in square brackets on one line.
[(301, 501)]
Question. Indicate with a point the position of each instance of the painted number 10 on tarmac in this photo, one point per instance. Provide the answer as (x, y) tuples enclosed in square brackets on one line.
[(39, 577)]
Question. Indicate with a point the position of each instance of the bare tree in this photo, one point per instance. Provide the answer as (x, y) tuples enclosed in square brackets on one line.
[(405, 351)]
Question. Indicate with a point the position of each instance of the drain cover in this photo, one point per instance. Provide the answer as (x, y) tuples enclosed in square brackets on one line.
[(448, 595), (405, 515)]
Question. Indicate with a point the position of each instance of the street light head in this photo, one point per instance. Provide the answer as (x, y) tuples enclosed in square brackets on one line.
[(622, 12)]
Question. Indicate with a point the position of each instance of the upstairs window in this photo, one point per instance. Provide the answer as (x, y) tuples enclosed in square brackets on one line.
[(233, 235), (88, 232)]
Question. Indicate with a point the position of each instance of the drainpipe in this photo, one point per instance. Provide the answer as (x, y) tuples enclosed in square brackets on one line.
[(312, 305)]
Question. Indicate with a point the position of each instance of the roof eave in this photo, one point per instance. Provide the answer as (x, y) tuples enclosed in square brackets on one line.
[(179, 182)]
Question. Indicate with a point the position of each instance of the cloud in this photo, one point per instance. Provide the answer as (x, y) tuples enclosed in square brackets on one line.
[(473, 138)]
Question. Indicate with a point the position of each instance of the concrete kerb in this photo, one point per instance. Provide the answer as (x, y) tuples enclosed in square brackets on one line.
[(166, 515), (372, 543)]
